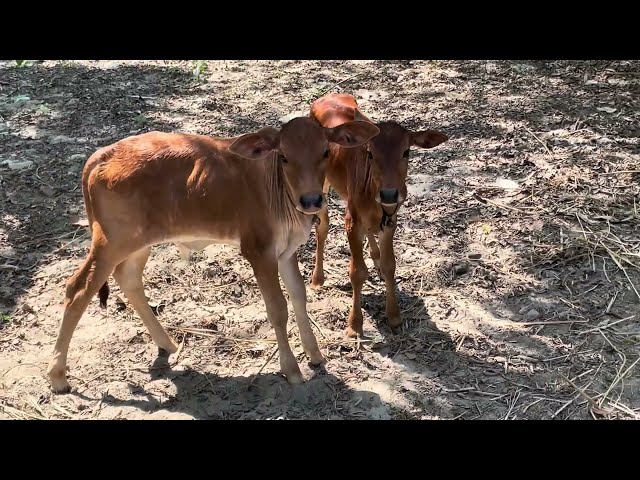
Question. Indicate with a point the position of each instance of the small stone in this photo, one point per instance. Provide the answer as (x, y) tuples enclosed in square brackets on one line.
[(461, 269), (47, 191), (532, 314), (78, 157), (506, 184), (156, 307), (120, 305), (168, 415), (287, 118), (17, 165), (475, 256), (56, 139)]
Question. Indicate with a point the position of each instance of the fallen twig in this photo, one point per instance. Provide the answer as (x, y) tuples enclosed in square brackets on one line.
[(541, 142), (579, 390), (326, 90), (513, 402), (619, 171), (554, 322), (624, 270), (595, 329), (21, 414), (618, 379), (62, 410), (499, 205)]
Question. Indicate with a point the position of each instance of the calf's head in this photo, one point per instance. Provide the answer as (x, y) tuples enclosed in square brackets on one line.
[(388, 153), (302, 146)]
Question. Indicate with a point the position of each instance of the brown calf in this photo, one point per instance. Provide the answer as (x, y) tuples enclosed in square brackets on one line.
[(371, 179), (259, 191)]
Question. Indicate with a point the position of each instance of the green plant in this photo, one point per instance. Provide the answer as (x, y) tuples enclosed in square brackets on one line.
[(313, 94), (199, 67), (4, 318), (21, 63)]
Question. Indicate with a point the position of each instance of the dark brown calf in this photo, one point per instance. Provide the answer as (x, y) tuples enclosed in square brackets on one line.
[(371, 179), (259, 191)]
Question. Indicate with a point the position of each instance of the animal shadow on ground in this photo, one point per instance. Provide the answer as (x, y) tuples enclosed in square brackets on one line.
[(268, 396), (412, 307)]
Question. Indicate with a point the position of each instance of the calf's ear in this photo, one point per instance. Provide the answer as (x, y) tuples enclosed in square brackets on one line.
[(257, 144), (352, 134), (428, 138)]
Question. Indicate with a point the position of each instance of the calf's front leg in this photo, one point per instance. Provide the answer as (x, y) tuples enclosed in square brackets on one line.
[(294, 283), (265, 268), (388, 270), (358, 273)]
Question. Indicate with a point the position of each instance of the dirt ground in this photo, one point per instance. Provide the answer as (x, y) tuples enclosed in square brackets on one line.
[(517, 250)]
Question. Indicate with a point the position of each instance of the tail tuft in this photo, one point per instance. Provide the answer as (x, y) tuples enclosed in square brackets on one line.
[(103, 295)]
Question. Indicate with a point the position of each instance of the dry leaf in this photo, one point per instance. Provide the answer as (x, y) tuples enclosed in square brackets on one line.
[(47, 190), (76, 220), (601, 411), (537, 225), (506, 183)]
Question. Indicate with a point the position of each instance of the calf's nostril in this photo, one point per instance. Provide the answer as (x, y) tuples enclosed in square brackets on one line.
[(389, 195), (311, 200)]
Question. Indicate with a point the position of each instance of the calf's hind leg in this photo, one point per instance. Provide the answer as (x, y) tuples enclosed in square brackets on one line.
[(128, 274), (322, 229), (374, 251), (81, 288)]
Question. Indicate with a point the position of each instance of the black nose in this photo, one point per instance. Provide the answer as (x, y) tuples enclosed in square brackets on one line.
[(389, 195), (311, 200)]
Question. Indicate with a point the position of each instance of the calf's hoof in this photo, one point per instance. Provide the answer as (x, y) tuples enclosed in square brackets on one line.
[(317, 280), (168, 348), (316, 359), (352, 333), (394, 322), (295, 378), (59, 383)]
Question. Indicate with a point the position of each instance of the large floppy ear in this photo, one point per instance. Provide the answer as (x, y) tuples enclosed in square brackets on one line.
[(428, 138), (352, 134), (255, 145), (358, 115)]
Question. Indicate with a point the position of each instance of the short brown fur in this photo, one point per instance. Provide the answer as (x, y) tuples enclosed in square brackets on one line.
[(252, 191), (372, 181)]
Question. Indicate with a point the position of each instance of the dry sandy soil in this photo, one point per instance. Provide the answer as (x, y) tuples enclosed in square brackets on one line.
[(518, 248)]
